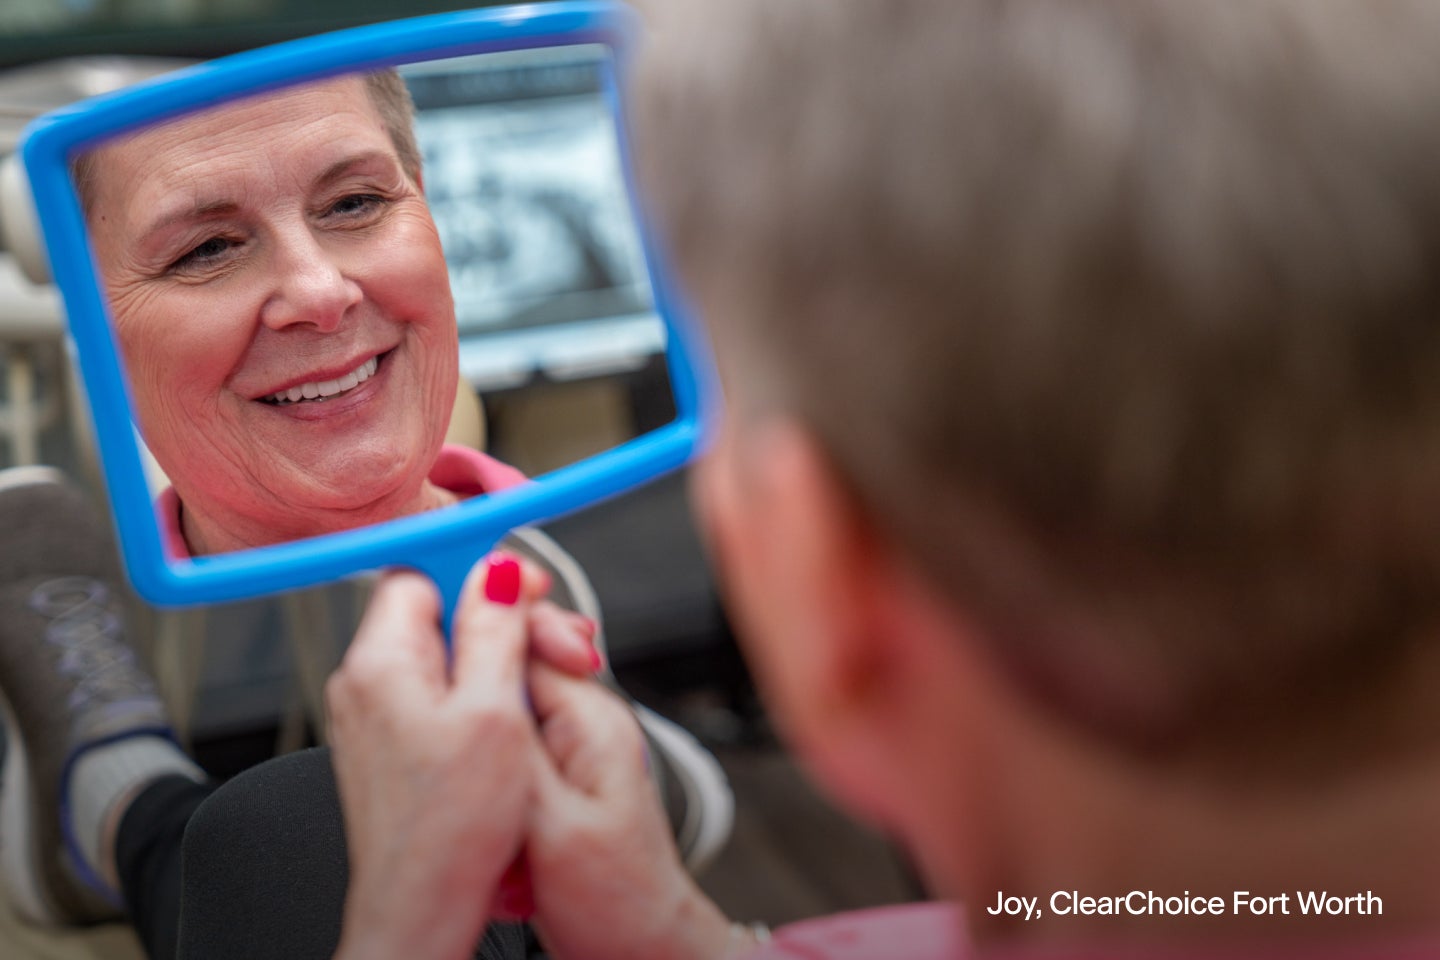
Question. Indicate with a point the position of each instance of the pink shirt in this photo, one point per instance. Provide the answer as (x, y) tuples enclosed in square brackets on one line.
[(936, 931), (460, 470), (912, 931)]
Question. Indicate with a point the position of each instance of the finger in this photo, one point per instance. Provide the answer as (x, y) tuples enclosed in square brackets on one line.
[(535, 580), (591, 735), (398, 648), (564, 639), (492, 626)]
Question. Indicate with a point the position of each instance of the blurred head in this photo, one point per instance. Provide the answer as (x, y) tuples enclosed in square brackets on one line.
[(1111, 328), (282, 306)]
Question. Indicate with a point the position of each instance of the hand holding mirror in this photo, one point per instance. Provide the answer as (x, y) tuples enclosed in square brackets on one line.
[(275, 268)]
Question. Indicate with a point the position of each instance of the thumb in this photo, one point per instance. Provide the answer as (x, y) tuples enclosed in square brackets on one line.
[(491, 627)]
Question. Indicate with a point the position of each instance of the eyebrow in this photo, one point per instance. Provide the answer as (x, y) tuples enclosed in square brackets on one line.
[(202, 210), (343, 166), (199, 210)]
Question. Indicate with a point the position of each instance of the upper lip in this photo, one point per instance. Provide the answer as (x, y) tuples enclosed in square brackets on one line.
[(332, 372)]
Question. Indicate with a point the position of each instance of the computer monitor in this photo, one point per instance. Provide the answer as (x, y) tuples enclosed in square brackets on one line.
[(523, 174)]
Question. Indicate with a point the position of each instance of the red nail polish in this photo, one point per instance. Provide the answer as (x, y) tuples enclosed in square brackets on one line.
[(516, 896), (502, 581), (595, 661)]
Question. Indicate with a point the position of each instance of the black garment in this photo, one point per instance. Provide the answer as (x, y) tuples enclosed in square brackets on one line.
[(265, 868), (147, 856)]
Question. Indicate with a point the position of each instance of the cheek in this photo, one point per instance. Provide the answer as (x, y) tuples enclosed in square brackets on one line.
[(763, 596), (180, 343), (414, 279), (725, 522), (415, 290)]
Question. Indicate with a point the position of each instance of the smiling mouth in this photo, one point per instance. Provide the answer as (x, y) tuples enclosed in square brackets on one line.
[(319, 391)]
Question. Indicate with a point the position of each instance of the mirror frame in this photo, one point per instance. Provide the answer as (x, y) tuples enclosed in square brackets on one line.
[(444, 543)]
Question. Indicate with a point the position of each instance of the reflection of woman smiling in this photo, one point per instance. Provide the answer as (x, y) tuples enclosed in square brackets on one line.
[(285, 314), (282, 303)]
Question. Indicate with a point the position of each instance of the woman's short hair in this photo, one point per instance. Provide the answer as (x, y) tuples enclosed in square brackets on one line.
[(1123, 319), (397, 112)]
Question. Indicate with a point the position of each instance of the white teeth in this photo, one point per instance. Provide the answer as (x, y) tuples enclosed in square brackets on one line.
[(327, 388)]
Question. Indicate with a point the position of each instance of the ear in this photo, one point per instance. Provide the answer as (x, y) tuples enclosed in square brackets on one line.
[(805, 578)]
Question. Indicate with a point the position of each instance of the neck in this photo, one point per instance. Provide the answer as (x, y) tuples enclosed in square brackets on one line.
[(207, 533), (1369, 834), (1054, 813)]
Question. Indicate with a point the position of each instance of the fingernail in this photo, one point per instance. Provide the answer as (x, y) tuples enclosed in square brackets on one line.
[(596, 662), (516, 895), (502, 581)]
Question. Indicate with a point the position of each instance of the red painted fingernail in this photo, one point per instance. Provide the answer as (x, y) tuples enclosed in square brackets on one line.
[(595, 661), (516, 895), (502, 581)]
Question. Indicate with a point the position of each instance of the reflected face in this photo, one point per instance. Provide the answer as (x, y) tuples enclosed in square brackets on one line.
[(282, 305)]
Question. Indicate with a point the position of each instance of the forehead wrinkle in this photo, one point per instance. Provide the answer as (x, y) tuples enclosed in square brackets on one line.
[(161, 188), (241, 134), (259, 167)]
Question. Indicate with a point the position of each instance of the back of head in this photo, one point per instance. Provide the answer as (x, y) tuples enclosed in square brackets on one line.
[(1123, 319)]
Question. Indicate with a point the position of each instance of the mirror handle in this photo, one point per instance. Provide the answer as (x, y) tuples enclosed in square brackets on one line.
[(447, 569)]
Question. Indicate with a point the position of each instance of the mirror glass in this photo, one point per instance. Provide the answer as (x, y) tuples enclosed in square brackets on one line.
[(356, 299)]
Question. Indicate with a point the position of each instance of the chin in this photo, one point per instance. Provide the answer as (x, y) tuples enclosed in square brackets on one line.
[(376, 502)]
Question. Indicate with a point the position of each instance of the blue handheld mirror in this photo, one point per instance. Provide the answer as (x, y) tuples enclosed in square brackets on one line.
[(257, 287)]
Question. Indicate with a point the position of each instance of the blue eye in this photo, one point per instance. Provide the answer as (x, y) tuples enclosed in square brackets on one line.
[(203, 253), (356, 203)]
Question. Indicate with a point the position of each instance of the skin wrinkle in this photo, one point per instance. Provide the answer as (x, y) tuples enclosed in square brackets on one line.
[(201, 209), (329, 257)]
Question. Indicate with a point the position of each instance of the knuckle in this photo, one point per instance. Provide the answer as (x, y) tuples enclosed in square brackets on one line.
[(336, 692), (589, 841), (492, 717), (561, 734), (362, 678), (400, 585), (358, 674)]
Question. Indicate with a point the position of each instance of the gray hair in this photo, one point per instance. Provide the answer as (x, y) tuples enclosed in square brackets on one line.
[(1122, 319)]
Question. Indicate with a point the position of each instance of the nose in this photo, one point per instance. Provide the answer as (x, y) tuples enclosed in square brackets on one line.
[(309, 285)]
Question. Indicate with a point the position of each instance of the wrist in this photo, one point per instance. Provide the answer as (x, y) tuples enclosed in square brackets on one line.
[(699, 930)]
